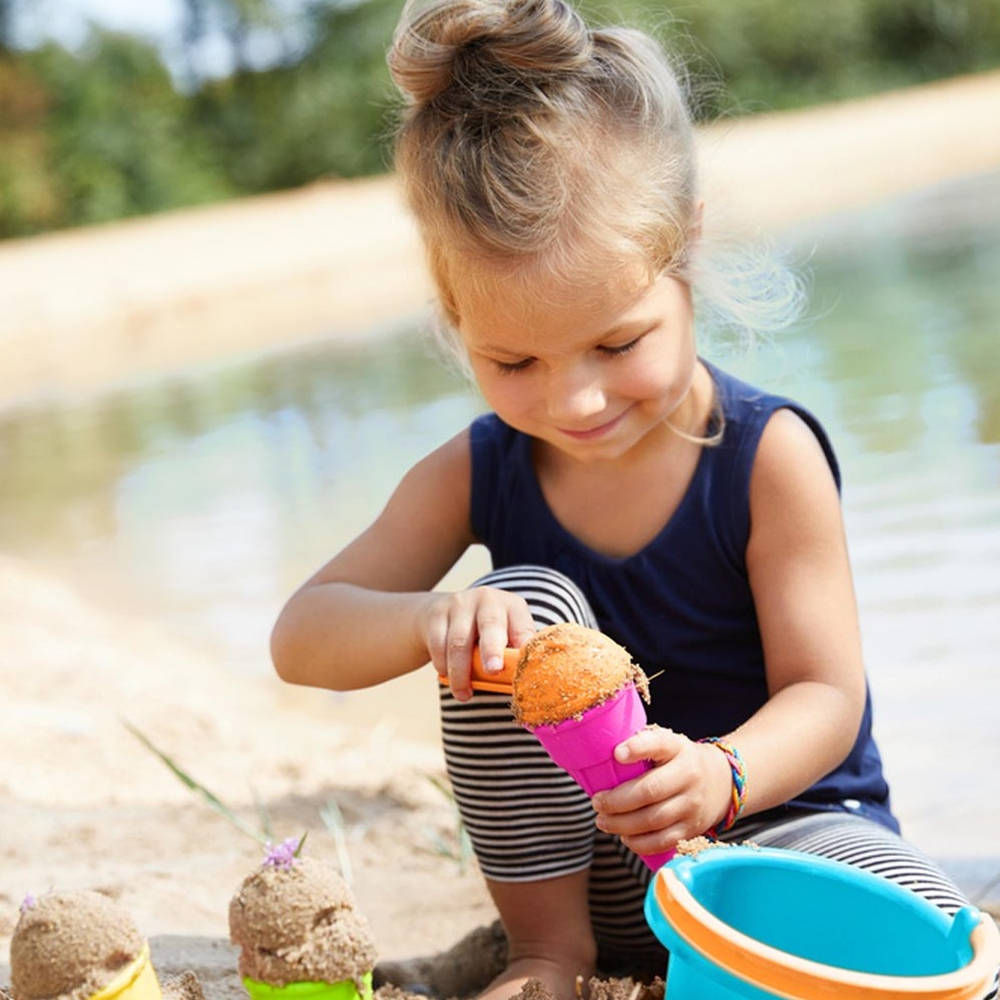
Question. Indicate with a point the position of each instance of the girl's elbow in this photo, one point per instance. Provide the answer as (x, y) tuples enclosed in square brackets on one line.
[(853, 701), (286, 655)]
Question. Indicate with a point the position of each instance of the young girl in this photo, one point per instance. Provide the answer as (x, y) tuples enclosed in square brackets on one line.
[(620, 481)]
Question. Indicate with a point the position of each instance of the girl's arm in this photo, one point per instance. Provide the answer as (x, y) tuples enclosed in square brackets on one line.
[(801, 580), (369, 614)]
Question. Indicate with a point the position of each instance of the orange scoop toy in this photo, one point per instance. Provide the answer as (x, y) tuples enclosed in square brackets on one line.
[(499, 683)]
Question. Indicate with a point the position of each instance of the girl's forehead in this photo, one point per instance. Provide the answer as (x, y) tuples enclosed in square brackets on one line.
[(509, 308)]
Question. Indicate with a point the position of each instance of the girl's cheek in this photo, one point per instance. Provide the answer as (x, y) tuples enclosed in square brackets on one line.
[(503, 390)]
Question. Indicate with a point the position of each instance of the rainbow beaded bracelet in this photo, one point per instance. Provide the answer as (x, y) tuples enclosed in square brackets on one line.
[(739, 772)]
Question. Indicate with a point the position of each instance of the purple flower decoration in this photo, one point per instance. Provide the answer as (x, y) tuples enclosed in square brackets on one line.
[(285, 854), (28, 903)]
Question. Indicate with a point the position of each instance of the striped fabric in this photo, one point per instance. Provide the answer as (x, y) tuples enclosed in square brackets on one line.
[(528, 820)]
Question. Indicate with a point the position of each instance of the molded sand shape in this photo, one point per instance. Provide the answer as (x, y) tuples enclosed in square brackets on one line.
[(299, 932), (82, 945), (580, 693)]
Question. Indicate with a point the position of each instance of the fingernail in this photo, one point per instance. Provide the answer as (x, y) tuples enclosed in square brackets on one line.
[(494, 664), (621, 753)]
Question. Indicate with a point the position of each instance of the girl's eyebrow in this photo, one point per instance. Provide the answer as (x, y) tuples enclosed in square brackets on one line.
[(488, 348), (629, 326)]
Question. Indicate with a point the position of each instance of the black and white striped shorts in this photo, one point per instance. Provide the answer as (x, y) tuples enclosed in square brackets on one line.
[(528, 820)]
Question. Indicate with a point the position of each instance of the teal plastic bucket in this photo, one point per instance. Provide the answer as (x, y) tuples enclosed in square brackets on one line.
[(742, 923)]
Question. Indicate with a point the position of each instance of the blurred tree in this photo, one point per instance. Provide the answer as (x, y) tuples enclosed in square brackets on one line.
[(768, 54), (321, 116), (102, 132), (98, 135), (238, 22), (28, 199), (934, 38), (6, 25)]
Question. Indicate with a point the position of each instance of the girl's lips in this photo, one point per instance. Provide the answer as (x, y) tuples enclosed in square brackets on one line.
[(593, 432)]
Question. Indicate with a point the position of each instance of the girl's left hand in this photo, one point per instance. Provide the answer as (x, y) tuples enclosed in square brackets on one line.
[(685, 794)]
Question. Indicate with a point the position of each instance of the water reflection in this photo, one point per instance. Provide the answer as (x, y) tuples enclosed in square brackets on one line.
[(205, 499), (910, 334)]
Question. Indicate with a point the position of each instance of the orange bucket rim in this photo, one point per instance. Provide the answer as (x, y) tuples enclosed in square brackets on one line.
[(791, 976)]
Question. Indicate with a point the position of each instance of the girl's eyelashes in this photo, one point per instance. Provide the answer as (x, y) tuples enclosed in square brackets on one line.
[(620, 349), (510, 367)]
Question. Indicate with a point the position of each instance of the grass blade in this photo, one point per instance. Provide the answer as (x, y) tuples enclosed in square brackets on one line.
[(210, 797), (333, 819)]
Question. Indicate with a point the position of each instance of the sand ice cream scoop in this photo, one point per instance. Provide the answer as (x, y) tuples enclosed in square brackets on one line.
[(300, 934), (79, 945), (581, 695)]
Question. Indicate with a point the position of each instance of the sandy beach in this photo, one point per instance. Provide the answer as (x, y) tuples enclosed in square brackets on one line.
[(83, 803)]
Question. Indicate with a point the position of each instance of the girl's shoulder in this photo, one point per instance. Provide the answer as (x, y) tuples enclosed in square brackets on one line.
[(747, 410), (494, 445), (489, 428)]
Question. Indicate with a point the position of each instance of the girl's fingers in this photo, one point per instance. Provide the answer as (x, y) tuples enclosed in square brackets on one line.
[(491, 619), (459, 651), (520, 625), (653, 743), (493, 633)]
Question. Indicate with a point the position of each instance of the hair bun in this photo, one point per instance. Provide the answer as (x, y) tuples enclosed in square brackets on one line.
[(475, 41)]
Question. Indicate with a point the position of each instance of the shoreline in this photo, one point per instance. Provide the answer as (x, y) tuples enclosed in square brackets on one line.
[(85, 310)]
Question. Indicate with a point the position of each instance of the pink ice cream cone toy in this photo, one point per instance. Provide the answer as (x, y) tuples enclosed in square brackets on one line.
[(581, 695)]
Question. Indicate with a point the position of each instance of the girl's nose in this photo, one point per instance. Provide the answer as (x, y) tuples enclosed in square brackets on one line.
[(574, 394)]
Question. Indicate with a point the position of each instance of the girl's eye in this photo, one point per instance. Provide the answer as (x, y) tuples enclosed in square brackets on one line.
[(510, 367), (620, 349)]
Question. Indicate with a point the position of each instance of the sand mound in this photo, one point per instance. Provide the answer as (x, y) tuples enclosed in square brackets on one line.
[(298, 922), (69, 945), (565, 669)]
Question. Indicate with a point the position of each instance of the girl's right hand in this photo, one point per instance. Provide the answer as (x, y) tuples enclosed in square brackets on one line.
[(454, 624)]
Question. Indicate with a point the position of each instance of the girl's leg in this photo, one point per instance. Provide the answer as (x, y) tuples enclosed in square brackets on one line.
[(619, 879), (526, 817), (862, 843), (530, 824), (532, 827)]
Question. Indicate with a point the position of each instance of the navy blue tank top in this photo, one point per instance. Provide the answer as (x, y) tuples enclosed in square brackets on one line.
[(682, 605)]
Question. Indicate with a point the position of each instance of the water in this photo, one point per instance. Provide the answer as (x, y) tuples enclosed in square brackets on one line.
[(204, 500)]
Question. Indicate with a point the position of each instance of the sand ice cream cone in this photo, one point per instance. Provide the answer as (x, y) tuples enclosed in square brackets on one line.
[(80, 945), (136, 982), (299, 933), (581, 695), (344, 989)]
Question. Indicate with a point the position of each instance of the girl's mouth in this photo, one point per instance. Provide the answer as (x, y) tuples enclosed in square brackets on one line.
[(593, 432)]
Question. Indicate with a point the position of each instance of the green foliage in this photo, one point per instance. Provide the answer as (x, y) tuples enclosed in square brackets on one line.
[(28, 200), (97, 136), (104, 133), (322, 116), (750, 55)]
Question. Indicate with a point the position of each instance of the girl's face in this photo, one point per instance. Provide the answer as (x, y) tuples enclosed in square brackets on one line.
[(591, 371)]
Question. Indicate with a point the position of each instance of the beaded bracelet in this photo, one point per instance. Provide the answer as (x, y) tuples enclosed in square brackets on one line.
[(739, 771)]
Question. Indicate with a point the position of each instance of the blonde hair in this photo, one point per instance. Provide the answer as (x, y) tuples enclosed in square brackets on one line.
[(530, 142)]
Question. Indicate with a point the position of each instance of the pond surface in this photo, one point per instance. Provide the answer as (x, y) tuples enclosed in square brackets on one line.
[(204, 500)]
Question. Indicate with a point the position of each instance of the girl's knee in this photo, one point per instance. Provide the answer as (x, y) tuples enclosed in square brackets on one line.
[(552, 596)]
